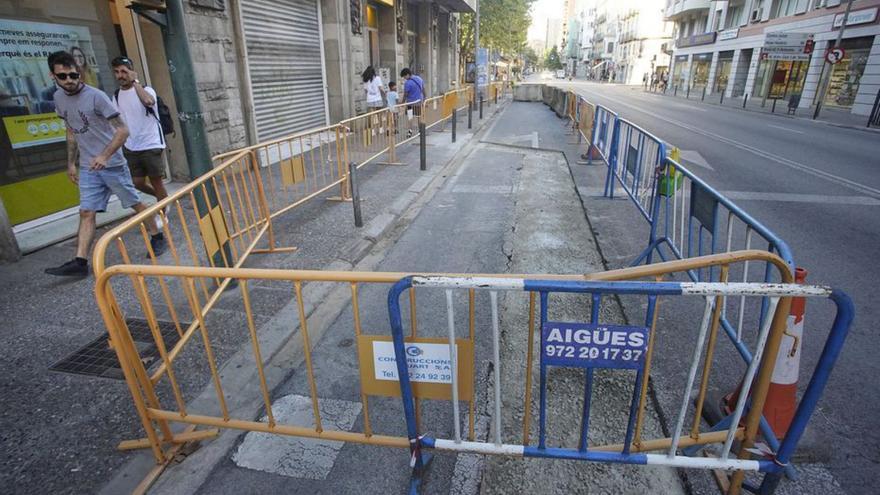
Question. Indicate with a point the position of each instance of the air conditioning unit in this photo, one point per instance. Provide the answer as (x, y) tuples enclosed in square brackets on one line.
[(757, 14)]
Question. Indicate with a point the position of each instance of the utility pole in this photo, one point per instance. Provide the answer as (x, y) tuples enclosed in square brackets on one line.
[(826, 70), (183, 79), (189, 107), (477, 89)]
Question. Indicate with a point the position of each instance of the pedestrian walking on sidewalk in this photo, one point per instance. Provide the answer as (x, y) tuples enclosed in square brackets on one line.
[(373, 88), (392, 96), (95, 134), (391, 99), (138, 106), (413, 94)]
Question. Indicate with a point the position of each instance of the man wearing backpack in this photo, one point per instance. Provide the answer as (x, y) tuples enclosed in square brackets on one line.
[(139, 107)]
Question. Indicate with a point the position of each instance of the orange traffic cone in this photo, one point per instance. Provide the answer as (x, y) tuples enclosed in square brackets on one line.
[(779, 408)]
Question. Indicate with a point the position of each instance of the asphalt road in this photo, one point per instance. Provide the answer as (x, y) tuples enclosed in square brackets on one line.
[(817, 186)]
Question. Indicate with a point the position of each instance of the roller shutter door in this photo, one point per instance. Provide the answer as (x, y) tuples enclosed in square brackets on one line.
[(284, 60)]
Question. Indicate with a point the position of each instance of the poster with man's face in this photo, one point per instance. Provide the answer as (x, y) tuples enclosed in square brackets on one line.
[(26, 88)]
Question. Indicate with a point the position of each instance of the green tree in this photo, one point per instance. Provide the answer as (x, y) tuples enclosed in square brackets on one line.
[(530, 57), (503, 27), (552, 61)]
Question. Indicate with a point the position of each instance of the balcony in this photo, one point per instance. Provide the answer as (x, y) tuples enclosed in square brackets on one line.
[(677, 8)]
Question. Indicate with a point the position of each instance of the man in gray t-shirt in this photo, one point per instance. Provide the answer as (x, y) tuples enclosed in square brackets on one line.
[(95, 133)]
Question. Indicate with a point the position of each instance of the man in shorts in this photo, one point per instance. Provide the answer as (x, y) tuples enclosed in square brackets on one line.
[(413, 94), (143, 149), (95, 134)]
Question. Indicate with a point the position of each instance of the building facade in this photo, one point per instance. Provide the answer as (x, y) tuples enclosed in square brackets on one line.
[(643, 32), (263, 69), (721, 46), (605, 30), (588, 19)]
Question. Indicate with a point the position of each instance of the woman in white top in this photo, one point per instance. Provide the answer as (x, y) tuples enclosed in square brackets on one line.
[(373, 88)]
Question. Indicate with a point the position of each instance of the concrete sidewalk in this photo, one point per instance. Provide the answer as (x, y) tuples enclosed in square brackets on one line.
[(498, 207), (60, 430)]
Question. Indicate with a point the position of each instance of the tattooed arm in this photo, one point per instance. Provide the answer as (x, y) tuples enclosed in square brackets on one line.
[(118, 140), (72, 156)]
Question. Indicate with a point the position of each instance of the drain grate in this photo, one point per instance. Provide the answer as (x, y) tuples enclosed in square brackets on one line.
[(97, 358)]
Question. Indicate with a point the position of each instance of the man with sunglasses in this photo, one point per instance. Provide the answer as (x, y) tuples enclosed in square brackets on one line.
[(95, 134), (139, 109)]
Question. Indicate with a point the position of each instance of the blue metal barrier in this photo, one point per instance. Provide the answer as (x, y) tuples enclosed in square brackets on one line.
[(596, 345), (602, 137), (636, 154), (684, 205)]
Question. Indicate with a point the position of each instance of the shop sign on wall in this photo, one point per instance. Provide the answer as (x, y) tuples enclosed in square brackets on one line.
[(856, 17)]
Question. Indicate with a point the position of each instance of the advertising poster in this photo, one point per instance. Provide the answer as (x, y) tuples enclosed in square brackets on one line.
[(482, 67), (26, 89)]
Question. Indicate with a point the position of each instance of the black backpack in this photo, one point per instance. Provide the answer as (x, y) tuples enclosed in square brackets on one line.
[(166, 122)]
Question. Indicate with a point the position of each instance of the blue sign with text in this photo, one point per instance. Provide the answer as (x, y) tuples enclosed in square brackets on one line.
[(582, 345)]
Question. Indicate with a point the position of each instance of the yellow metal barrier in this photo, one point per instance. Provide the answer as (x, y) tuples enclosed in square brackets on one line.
[(586, 113), (571, 107), (160, 399), (433, 111)]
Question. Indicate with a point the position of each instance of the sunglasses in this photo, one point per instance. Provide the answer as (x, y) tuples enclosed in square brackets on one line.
[(64, 75), (116, 62)]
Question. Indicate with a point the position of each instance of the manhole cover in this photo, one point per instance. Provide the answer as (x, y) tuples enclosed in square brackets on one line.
[(97, 358)]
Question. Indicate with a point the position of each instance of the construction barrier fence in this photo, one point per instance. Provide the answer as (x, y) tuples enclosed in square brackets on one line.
[(215, 223), (166, 394), (686, 217), (596, 345)]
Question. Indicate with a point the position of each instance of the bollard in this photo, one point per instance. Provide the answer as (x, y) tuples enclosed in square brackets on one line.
[(675, 91), (722, 98), (454, 122), (355, 194), (481, 108), (687, 95), (773, 108), (423, 146), (496, 97), (703, 98), (470, 114), (745, 99)]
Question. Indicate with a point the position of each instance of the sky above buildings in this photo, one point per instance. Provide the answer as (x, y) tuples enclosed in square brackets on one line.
[(541, 11)]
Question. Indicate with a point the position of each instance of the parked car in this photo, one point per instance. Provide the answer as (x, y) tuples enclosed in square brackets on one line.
[(560, 74)]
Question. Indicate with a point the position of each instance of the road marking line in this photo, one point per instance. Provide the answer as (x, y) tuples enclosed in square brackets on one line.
[(785, 128), (693, 157), (802, 198), (870, 191)]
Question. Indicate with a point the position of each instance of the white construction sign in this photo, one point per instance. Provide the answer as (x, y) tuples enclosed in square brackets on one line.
[(428, 363)]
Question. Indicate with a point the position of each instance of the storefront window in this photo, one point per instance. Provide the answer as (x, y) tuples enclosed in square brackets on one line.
[(700, 70), (847, 74), (722, 72), (678, 71), (32, 151)]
